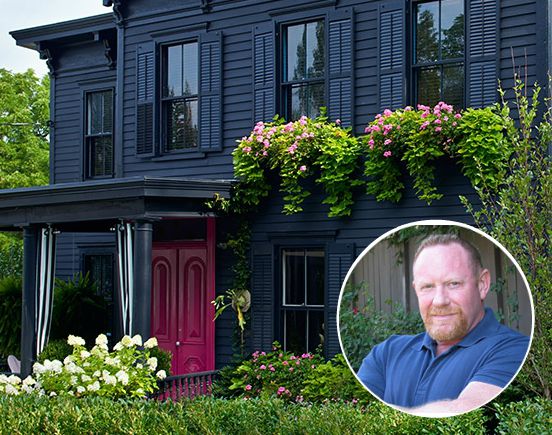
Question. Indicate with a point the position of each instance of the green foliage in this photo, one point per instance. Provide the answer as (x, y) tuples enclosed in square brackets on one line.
[(518, 215), (10, 316), (11, 255), (419, 137), (164, 358), (55, 349), (362, 327), (334, 380), (78, 309), (532, 416), (297, 150), (275, 373), (128, 371), (215, 416), (24, 116)]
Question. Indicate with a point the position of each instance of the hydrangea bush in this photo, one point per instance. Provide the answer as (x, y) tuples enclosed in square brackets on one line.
[(127, 371)]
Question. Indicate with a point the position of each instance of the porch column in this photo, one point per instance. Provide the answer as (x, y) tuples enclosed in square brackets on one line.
[(143, 234), (28, 314)]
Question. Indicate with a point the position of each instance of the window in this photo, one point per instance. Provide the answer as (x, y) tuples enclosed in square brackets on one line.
[(304, 69), (438, 52), (100, 270), (302, 309), (180, 96), (99, 134)]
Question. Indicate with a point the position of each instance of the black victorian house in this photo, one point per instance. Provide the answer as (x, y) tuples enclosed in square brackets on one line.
[(147, 102)]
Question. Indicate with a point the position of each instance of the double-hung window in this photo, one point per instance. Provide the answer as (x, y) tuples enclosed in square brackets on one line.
[(438, 52), (180, 96), (304, 69), (302, 308), (99, 134)]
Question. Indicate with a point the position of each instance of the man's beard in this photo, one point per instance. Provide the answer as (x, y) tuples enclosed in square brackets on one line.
[(455, 329)]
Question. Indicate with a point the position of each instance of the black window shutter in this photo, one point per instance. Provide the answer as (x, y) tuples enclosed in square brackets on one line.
[(392, 54), (262, 296), (340, 258), (144, 98), (263, 74), (210, 91), (481, 68), (340, 66)]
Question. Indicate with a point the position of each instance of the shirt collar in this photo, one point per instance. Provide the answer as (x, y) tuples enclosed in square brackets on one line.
[(486, 327)]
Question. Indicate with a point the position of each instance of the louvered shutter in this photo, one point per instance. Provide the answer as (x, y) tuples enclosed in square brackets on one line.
[(340, 67), (144, 98), (392, 54), (210, 91), (262, 296), (340, 259), (481, 68), (264, 107)]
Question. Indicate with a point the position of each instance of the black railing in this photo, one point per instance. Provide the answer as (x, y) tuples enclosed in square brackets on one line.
[(185, 386)]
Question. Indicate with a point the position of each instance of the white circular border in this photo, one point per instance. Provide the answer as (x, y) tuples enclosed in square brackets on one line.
[(441, 223)]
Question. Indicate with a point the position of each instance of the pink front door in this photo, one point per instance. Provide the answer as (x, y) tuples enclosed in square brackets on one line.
[(182, 313)]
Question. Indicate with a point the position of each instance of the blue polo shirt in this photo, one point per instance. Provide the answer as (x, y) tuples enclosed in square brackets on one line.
[(404, 370)]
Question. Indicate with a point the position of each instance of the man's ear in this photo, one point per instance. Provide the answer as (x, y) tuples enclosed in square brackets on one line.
[(484, 283)]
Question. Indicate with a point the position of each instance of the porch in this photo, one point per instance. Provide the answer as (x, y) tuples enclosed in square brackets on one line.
[(129, 208)]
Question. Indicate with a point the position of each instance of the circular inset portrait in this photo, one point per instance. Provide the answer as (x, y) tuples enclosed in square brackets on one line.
[(435, 318)]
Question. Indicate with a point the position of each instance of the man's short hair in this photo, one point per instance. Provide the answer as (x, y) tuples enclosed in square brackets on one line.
[(449, 239)]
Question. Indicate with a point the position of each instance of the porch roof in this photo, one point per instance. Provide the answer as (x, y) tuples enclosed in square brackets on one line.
[(96, 205)]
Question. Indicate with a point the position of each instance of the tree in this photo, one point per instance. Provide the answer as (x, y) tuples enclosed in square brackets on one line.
[(24, 115), (24, 148)]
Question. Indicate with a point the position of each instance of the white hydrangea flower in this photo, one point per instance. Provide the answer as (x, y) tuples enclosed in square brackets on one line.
[(68, 360), (122, 376), (110, 380), (161, 374), (27, 389), (72, 368), (73, 340), (152, 363), (53, 366), (14, 380), (29, 381), (150, 343), (118, 346), (97, 374), (139, 366), (94, 386), (73, 380), (86, 378), (3, 378), (84, 354), (81, 389), (101, 340), (11, 390), (86, 364), (137, 340), (38, 368), (53, 394), (127, 341)]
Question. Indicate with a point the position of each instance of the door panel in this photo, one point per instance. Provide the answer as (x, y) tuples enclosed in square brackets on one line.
[(181, 308)]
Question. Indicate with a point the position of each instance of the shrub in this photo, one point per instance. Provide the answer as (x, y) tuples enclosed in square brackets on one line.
[(55, 349), (362, 327), (11, 255), (275, 373), (164, 358), (10, 315), (530, 416), (208, 415), (78, 309), (125, 372)]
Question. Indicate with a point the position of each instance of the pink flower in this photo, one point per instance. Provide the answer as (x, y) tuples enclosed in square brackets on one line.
[(285, 363), (438, 129), (266, 143), (424, 125), (262, 367), (281, 390), (260, 138), (248, 387), (305, 355), (458, 116), (422, 107), (407, 109), (272, 369), (387, 112), (297, 362), (375, 128), (398, 127), (265, 153), (338, 121), (387, 142), (387, 154), (292, 148), (368, 129), (303, 120), (291, 369), (454, 124), (445, 118), (425, 115), (437, 121), (246, 150), (313, 366), (303, 168)]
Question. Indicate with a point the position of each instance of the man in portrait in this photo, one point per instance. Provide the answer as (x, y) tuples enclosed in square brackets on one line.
[(465, 357)]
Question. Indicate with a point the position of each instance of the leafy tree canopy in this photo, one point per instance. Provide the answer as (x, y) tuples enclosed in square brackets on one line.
[(24, 115)]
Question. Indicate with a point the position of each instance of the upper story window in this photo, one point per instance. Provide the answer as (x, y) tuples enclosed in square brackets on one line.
[(180, 96), (99, 133), (438, 52), (304, 69), (302, 309)]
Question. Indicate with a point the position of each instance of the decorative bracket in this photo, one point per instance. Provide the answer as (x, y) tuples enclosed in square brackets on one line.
[(46, 54), (108, 52)]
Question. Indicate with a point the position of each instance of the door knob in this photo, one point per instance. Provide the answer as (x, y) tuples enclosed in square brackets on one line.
[(178, 343)]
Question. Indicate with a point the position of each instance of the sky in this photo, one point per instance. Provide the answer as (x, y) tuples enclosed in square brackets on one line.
[(23, 14)]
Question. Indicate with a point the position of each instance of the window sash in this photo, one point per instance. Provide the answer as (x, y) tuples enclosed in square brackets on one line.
[(98, 136)]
